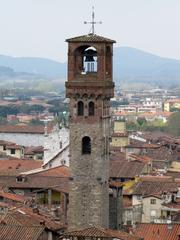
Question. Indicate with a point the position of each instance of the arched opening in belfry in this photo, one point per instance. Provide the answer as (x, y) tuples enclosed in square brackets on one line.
[(90, 60), (108, 61), (85, 60), (86, 145), (80, 108), (91, 108)]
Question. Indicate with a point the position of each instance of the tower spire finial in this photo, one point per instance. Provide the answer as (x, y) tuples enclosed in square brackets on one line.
[(92, 22)]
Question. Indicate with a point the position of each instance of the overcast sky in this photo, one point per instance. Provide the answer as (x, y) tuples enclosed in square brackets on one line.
[(39, 28)]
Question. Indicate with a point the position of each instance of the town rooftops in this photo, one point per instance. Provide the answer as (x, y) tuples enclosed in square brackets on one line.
[(59, 171), (22, 129), (99, 232), (8, 232), (14, 167), (154, 188), (12, 197), (25, 216), (153, 231), (125, 169), (93, 38), (32, 150), (139, 144)]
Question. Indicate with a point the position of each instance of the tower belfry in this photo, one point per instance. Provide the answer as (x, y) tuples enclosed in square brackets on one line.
[(89, 88)]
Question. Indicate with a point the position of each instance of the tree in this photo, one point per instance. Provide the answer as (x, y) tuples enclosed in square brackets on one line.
[(173, 124), (141, 121)]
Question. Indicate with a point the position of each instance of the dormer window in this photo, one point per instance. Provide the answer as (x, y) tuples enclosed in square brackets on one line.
[(20, 179)]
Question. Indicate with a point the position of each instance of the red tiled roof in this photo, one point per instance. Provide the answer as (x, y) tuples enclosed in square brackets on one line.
[(33, 150), (26, 217), (138, 144), (172, 205), (125, 169), (154, 178), (9, 232), (13, 197), (99, 232), (36, 182), (90, 38), (142, 158), (14, 146), (60, 171), (14, 167), (173, 174), (173, 101), (115, 184), (154, 187), (4, 143), (117, 155), (154, 231), (22, 129)]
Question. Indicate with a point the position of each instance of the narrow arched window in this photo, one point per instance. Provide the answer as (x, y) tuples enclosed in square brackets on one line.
[(80, 108), (86, 145), (91, 109)]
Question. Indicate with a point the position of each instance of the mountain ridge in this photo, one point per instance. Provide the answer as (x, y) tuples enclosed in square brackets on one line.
[(129, 63)]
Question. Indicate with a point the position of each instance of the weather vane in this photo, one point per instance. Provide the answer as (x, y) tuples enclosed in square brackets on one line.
[(93, 22)]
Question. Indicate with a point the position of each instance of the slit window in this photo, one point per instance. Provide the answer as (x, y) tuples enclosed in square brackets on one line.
[(86, 145), (80, 108), (91, 109)]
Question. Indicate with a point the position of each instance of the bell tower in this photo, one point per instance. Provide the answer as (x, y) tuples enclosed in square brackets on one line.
[(89, 88)]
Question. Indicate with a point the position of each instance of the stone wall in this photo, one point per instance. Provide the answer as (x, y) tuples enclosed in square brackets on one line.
[(89, 188)]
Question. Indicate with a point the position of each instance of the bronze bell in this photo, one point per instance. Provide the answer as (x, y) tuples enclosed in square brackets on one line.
[(89, 59), (90, 55)]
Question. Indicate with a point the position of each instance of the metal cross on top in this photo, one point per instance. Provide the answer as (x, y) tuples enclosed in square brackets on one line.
[(93, 22)]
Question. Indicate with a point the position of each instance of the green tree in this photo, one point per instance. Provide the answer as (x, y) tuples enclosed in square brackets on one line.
[(173, 124), (141, 121)]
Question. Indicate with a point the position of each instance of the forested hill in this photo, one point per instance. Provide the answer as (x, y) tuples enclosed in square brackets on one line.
[(129, 64)]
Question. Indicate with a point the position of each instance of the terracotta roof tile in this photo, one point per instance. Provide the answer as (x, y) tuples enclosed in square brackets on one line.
[(154, 187), (151, 231), (98, 232), (22, 129), (13, 197), (14, 167), (138, 144), (125, 169), (90, 38), (26, 217), (36, 182), (9, 232), (33, 150), (60, 171)]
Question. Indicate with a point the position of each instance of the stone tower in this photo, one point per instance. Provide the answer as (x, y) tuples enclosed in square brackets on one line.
[(89, 88)]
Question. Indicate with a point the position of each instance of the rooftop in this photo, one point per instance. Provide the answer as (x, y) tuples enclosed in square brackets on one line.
[(14, 167), (152, 231), (25, 216), (125, 169), (8, 232), (93, 38), (22, 129), (155, 187), (99, 232)]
